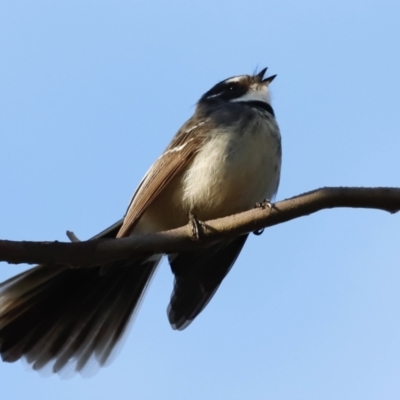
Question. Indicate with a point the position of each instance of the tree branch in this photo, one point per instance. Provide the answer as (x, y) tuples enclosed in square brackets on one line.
[(99, 251)]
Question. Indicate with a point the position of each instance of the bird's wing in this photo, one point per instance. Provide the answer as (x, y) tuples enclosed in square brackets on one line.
[(175, 158)]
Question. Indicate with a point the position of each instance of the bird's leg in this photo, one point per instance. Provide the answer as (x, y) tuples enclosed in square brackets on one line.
[(197, 226), (263, 205)]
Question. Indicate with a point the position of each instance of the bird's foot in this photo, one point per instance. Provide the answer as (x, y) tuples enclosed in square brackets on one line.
[(197, 226), (263, 205)]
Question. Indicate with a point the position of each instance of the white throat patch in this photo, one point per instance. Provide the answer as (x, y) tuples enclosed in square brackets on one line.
[(257, 92)]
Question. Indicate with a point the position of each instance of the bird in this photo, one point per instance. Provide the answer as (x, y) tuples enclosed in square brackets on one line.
[(222, 161)]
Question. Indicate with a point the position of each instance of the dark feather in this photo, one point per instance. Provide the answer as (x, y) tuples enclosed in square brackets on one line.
[(57, 315), (198, 275)]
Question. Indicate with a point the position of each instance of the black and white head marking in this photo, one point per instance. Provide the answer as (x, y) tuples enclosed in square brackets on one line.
[(242, 88)]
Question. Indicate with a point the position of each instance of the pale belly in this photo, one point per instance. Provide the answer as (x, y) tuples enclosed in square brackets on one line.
[(229, 175)]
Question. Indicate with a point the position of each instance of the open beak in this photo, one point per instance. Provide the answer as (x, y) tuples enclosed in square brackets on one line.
[(268, 79)]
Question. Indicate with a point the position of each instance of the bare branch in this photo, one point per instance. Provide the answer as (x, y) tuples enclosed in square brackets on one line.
[(99, 251)]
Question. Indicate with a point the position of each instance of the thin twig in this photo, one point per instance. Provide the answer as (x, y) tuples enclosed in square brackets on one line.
[(72, 237)]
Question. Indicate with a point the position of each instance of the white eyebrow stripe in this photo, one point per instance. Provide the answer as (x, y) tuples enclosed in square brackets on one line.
[(235, 79), (214, 95)]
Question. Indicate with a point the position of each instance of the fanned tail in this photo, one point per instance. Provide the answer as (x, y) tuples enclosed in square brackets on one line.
[(65, 318)]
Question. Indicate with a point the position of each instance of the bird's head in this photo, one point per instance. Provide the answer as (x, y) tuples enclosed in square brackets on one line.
[(241, 88)]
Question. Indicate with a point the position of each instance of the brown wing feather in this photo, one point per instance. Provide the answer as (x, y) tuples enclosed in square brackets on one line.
[(174, 159)]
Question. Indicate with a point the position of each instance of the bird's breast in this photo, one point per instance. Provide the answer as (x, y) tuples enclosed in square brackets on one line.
[(233, 170)]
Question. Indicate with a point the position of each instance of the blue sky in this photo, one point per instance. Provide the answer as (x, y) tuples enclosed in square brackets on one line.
[(92, 92)]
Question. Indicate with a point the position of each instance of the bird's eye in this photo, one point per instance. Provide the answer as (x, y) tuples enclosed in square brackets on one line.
[(226, 91)]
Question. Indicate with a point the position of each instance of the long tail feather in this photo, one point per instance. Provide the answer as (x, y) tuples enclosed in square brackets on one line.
[(54, 315)]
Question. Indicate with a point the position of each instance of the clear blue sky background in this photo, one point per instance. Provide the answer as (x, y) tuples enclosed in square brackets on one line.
[(91, 93)]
